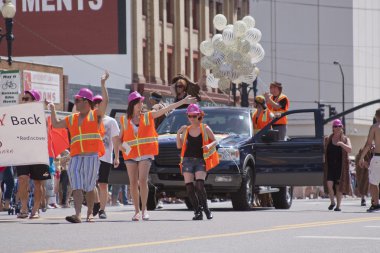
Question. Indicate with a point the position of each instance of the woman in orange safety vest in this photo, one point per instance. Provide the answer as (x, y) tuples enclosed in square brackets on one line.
[(198, 156), (139, 145), (262, 116)]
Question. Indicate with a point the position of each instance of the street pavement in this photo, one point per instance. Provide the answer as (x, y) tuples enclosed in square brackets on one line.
[(307, 227)]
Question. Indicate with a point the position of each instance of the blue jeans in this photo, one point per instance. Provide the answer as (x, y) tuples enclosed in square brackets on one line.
[(193, 164)]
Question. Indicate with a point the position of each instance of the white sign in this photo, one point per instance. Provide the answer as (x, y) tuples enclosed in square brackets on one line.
[(9, 87), (46, 83), (23, 135)]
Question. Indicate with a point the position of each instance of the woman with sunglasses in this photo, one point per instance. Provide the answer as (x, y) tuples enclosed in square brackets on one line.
[(182, 87), (337, 147), (198, 156), (139, 145)]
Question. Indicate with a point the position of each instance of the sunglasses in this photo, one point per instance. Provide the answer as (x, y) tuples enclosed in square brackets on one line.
[(77, 100), (180, 86), (192, 116), (26, 99), (336, 126)]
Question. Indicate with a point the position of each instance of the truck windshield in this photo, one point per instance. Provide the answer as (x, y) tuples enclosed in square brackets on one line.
[(220, 121)]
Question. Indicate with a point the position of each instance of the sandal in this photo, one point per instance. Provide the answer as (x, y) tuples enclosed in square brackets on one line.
[(35, 215), (136, 217), (73, 219), (90, 219), (331, 207), (22, 215)]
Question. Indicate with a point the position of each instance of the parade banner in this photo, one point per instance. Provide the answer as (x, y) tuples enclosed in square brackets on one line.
[(9, 87), (23, 135)]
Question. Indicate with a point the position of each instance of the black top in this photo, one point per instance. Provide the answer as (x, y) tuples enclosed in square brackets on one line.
[(184, 106), (334, 162), (194, 146)]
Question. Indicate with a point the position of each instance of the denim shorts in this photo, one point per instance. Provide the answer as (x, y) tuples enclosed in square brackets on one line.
[(193, 164)]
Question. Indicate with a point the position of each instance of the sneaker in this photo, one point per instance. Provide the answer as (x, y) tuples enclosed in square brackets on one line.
[(96, 209), (373, 208), (160, 205), (102, 214), (145, 216), (363, 202)]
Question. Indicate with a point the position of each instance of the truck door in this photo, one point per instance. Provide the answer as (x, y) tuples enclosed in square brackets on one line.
[(295, 161)]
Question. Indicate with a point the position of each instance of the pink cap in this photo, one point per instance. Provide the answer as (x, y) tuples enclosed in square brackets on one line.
[(337, 123), (194, 109), (85, 93), (97, 98), (135, 95), (35, 94)]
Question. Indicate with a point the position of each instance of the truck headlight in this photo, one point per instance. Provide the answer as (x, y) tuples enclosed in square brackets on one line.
[(229, 154)]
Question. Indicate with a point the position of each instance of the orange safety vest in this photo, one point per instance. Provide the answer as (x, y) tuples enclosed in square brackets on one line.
[(146, 140), (211, 157), (261, 120), (85, 138), (283, 120)]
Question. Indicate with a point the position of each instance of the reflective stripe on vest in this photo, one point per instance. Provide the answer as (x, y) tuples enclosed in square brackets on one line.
[(138, 141)]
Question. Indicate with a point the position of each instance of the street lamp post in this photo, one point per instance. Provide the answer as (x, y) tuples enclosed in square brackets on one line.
[(341, 71), (8, 11)]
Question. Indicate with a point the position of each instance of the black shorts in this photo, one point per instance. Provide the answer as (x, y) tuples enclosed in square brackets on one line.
[(104, 172), (34, 171)]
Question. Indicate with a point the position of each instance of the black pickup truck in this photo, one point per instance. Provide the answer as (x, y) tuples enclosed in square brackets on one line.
[(249, 164)]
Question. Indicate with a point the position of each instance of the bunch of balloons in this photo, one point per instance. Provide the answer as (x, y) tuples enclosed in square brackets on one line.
[(233, 54)]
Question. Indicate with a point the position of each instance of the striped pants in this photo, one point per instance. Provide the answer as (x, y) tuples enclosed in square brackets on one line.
[(83, 172)]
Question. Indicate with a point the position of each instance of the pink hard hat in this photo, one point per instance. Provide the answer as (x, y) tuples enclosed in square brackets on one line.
[(85, 93), (337, 123), (35, 94), (194, 109), (97, 98), (135, 95)]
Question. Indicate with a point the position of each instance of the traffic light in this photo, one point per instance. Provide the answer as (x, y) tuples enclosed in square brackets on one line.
[(332, 111)]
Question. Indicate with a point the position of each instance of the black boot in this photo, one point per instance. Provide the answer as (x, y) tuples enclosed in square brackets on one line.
[(208, 214), (202, 196), (198, 215)]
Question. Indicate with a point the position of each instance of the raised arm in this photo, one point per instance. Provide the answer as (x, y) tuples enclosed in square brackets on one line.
[(56, 123), (187, 100), (103, 105)]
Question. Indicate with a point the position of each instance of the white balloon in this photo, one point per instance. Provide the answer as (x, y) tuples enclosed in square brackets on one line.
[(230, 26), (228, 36), (217, 57), (245, 47), (216, 38), (220, 22), (240, 28), (207, 63), (257, 53), (253, 35), (212, 81), (249, 21), (224, 84), (206, 48), (249, 78)]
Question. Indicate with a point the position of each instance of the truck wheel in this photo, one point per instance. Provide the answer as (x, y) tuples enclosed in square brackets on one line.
[(283, 199), (188, 204), (152, 199), (242, 200)]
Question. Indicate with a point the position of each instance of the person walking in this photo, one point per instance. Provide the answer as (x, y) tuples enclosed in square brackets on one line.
[(86, 147), (37, 172), (337, 148), (110, 135), (374, 166), (362, 174), (262, 115), (278, 103), (198, 155), (139, 145)]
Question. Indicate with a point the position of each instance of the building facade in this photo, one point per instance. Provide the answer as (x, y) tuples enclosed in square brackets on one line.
[(302, 39)]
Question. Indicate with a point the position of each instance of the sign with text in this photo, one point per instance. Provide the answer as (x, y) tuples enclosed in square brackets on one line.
[(23, 135), (9, 87), (69, 27), (46, 83)]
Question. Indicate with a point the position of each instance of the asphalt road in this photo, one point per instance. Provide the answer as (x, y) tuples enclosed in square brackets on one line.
[(307, 227)]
